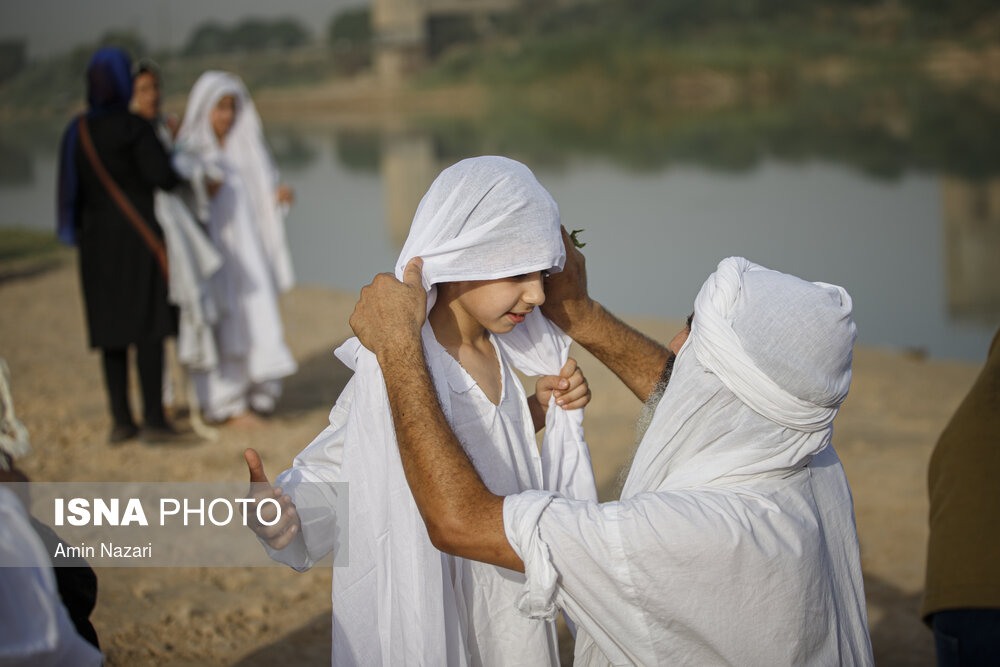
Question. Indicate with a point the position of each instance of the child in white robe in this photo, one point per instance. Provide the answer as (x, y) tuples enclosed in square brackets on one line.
[(487, 232), (246, 224)]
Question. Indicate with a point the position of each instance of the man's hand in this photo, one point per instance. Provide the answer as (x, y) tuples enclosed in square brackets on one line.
[(280, 534), (569, 387), (566, 300), (389, 313)]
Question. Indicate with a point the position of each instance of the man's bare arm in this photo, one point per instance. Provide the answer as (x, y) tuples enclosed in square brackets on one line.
[(462, 516), (636, 359)]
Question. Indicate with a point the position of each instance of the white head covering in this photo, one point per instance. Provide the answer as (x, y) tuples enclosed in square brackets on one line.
[(756, 386), (483, 218), (245, 150)]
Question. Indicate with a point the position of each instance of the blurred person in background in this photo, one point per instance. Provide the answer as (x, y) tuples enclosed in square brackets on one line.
[(246, 224), (192, 258), (111, 162), (962, 591), (146, 100), (44, 611)]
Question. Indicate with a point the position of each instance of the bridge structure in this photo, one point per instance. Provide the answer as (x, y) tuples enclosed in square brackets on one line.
[(404, 30)]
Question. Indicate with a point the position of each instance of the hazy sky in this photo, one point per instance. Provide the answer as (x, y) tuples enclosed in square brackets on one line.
[(52, 26)]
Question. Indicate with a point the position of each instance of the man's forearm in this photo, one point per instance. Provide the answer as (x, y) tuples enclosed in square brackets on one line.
[(635, 358), (461, 515)]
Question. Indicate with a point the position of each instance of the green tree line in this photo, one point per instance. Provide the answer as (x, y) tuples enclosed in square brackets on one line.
[(264, 51)]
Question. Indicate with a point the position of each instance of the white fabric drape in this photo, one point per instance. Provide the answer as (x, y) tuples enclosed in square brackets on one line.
[(193, 261), (758, 334), (483, 218), (734, 541)]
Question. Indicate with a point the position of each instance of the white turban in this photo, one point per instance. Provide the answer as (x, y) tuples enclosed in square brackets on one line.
[(757, 384)]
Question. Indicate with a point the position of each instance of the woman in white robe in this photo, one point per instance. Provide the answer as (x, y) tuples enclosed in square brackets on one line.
[(246, 224)]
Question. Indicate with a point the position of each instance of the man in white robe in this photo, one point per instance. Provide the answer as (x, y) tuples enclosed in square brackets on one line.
[(734, 541)]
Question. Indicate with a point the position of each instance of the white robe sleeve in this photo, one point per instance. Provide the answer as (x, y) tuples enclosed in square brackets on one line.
[(693, 576), (311, 484), (580, 569)]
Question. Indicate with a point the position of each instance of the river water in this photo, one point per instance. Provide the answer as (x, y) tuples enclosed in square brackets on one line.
[(914, 249)]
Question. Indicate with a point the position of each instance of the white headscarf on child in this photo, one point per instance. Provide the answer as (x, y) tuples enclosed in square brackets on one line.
[(246, 150), (483, 218)]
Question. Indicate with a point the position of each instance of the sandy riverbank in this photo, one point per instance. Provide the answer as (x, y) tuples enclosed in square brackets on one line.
[(884, 434)]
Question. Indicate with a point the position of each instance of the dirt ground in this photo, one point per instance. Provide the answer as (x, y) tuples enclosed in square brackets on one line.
[(263, 616)]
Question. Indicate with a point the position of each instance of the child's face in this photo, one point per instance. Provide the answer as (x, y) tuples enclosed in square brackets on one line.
[(222, 117), (500, 305)]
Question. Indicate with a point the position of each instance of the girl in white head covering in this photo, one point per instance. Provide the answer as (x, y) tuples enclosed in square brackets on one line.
[(246, 224), (486, 231)]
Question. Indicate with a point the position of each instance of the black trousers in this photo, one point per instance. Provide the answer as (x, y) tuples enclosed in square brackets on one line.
[(967, 637), (149, 358)]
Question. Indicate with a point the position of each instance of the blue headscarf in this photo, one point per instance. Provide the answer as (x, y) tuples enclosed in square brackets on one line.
[(109, 89)]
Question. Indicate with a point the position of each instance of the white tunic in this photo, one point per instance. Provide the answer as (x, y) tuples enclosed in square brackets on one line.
[(401, 601), (500, 441), (248, 230), (249, 333), (765, 575)]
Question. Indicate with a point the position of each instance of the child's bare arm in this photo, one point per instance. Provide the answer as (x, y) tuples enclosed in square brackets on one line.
[(634, 358), (570, 388)]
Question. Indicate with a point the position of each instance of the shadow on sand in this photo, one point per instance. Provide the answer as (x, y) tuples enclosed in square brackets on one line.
[(309, 645), (899, 637), (317, 384)]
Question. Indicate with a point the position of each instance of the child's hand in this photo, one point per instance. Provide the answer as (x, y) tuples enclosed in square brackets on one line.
[(569, 387), (280, 534), (285, 194), (212, 187)]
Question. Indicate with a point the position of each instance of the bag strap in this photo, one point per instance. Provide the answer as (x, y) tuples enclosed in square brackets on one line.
[(124, 205)]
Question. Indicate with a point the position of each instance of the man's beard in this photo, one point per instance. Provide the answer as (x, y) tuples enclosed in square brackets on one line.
[(645, 419)]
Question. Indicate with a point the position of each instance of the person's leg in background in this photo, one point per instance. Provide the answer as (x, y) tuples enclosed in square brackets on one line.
[(149, 359), (115, 362)]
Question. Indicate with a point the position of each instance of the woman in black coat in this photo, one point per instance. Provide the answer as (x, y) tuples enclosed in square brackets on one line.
[(123, 268)]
